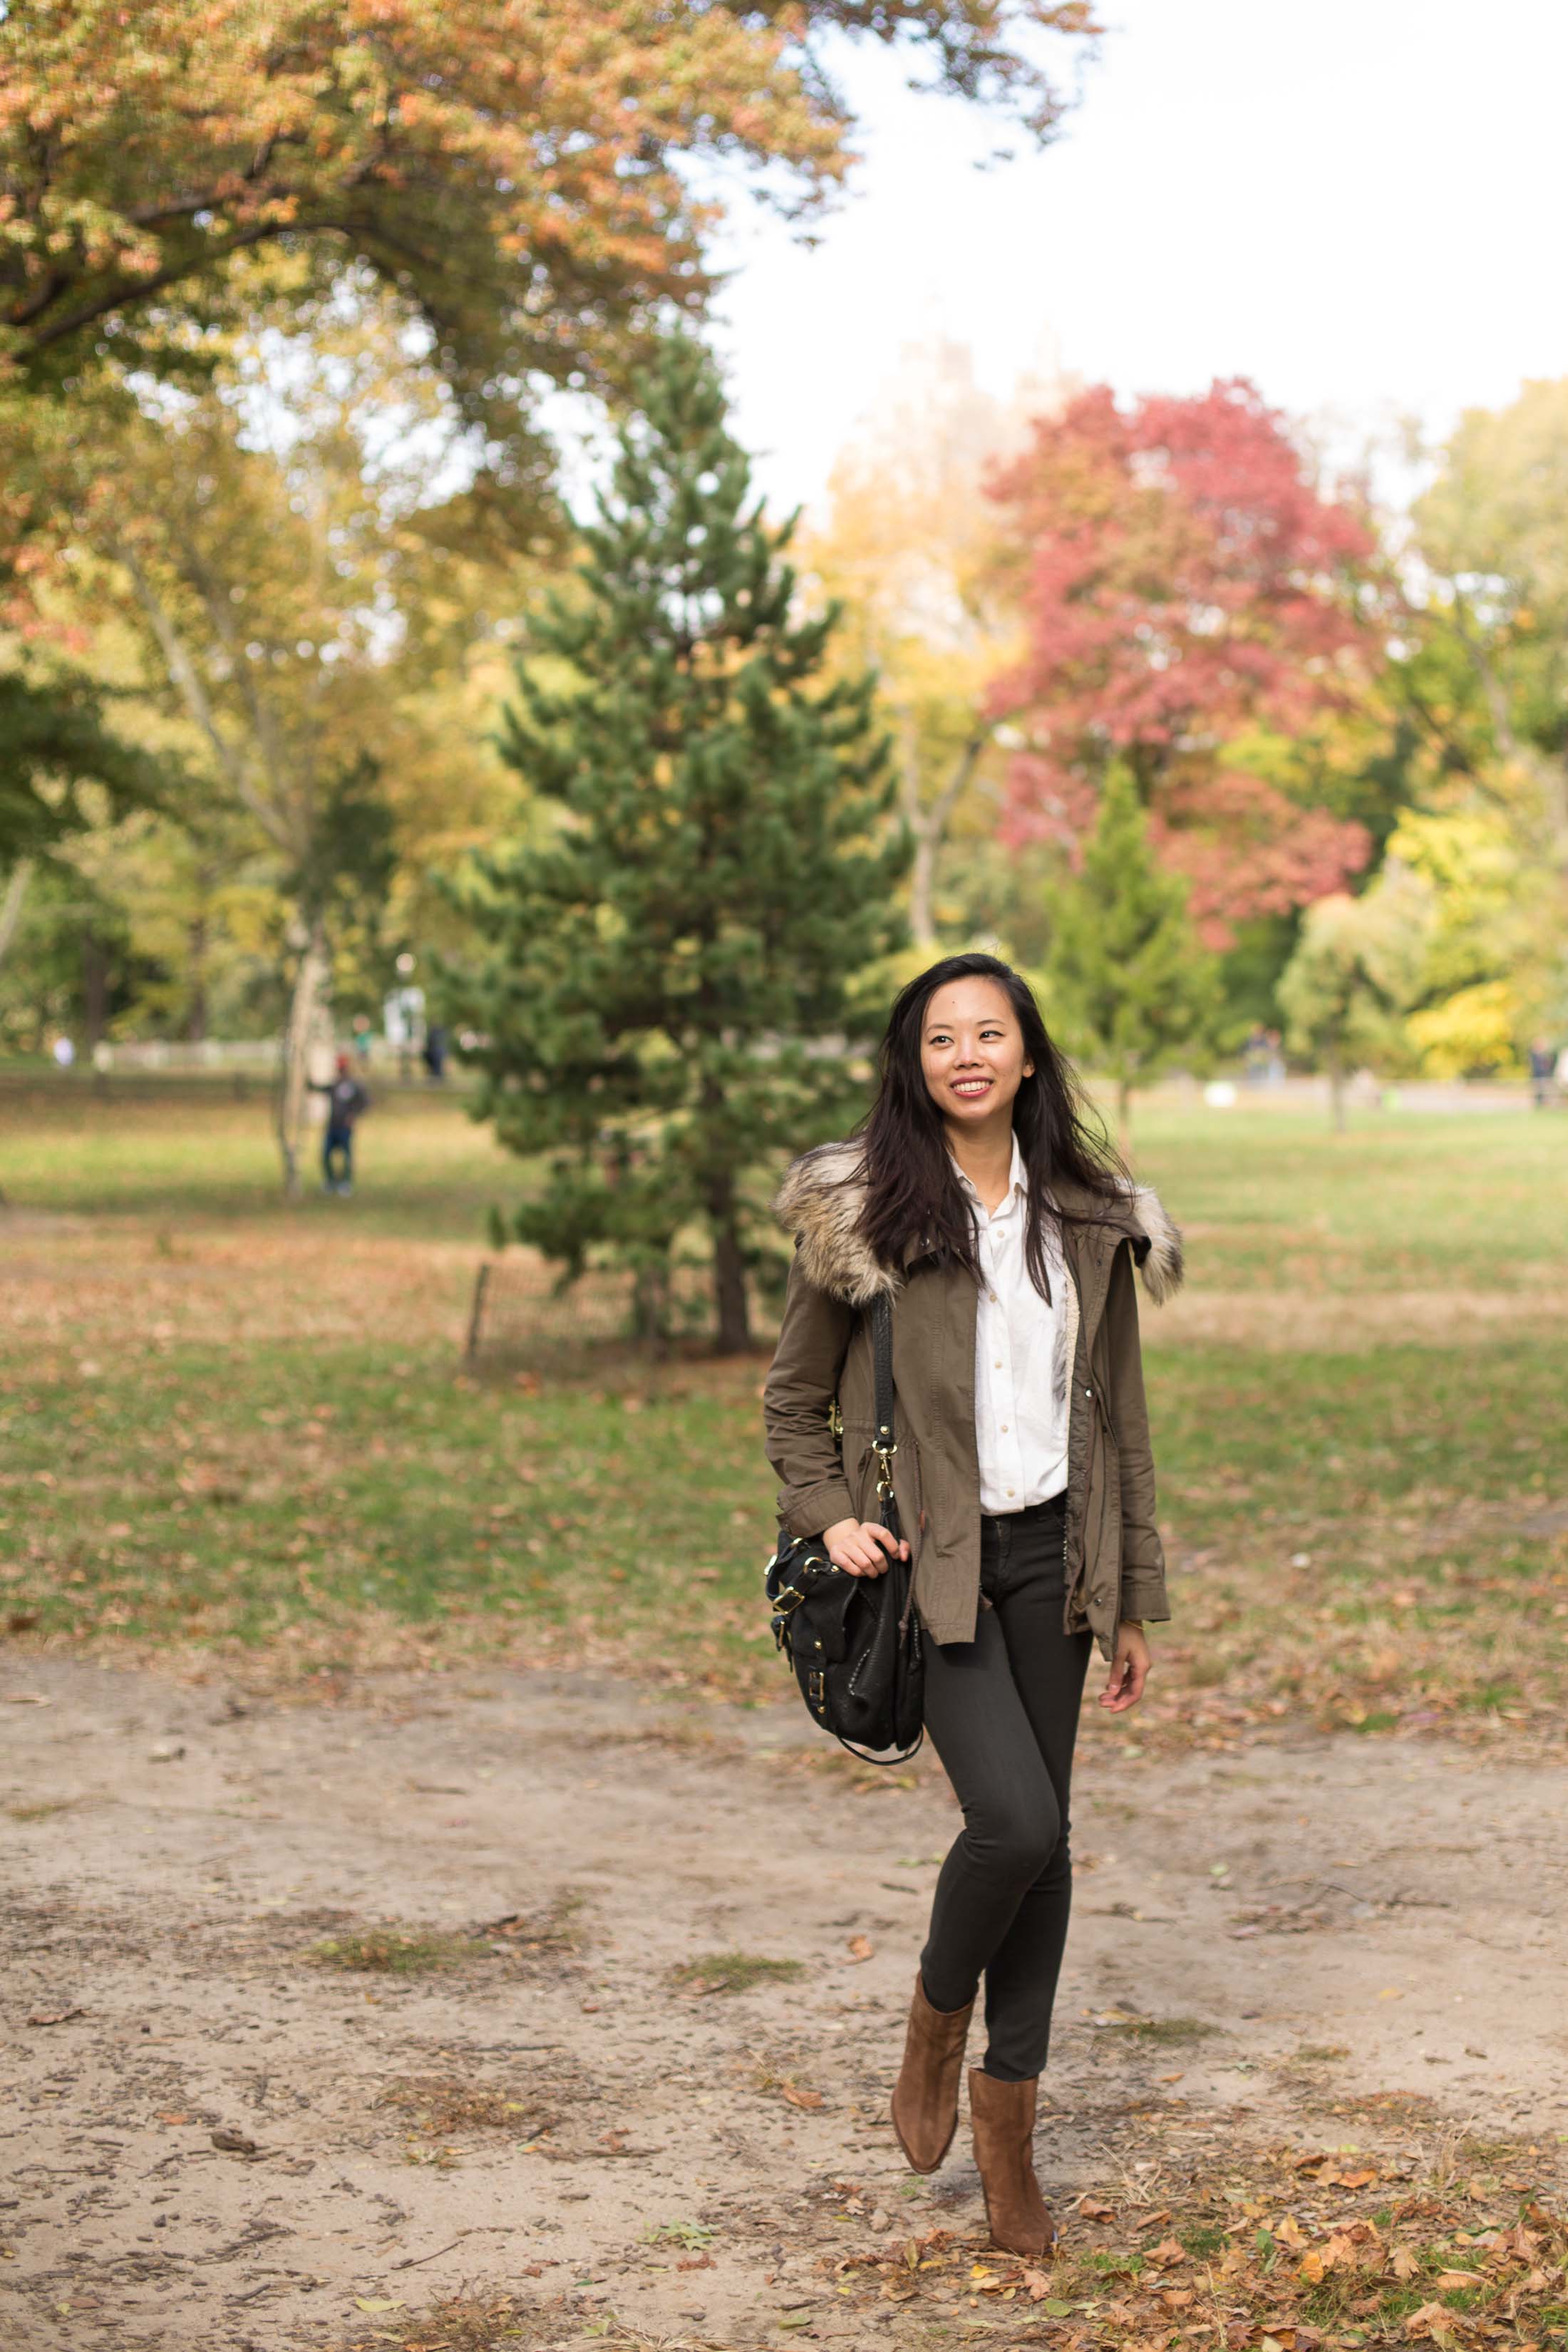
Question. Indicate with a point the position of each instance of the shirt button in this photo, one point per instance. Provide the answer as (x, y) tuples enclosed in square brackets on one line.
[(1005, 1433), (998, 1363), (1009, 1490), (991, 1295)]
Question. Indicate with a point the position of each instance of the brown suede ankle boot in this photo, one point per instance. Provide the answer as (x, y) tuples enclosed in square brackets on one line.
[(925, 2096), (1002, 2115)]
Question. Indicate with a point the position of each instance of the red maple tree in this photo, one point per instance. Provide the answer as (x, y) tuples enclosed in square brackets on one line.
[(1183, 580)]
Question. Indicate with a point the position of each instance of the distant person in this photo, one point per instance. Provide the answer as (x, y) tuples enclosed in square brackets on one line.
[(1275, 1051), (64, 1052), (364, 1038), (346, 1102), (1543, 1071), (1255, 1054), (436, 1051)]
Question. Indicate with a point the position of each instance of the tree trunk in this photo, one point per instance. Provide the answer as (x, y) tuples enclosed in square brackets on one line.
[(929, 822), (15, 891), (734, 1322), (1337, 1092), (196, 964), (650, 1307), (94, 991), (922, 880), (306, 1007)]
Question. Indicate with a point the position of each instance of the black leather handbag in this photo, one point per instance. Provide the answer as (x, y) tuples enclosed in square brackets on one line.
[(852, 1641)]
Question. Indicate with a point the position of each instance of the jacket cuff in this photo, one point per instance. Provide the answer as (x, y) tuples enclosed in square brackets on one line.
[(1143, 1595), (810, 1509)]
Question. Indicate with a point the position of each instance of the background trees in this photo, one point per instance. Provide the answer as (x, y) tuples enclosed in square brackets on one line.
[(1182, 582), (1132, 990), (909, 547), (510, 169), (675, 962)]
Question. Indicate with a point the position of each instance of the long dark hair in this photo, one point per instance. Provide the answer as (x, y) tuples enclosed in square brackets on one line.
[(911, 1186)]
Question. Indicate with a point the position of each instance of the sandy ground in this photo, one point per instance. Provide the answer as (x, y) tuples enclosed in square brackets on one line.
[(1319, 1942)]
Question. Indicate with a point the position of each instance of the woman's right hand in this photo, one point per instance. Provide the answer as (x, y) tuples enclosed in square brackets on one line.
[(862, 1547)]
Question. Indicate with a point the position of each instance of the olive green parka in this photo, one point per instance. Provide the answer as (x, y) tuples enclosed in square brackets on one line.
[(1114, 1560)]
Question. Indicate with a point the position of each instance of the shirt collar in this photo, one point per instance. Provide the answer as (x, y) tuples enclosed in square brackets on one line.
[(1017, 1182)]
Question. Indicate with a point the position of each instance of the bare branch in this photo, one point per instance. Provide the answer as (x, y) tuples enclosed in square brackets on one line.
[(188, 682)]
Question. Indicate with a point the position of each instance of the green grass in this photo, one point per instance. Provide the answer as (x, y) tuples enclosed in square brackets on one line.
[(231, 1424), (191, 1151), (386, 1951), (735, 1972)]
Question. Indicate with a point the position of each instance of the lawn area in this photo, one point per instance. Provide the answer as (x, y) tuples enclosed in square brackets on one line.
[(239, 1428)]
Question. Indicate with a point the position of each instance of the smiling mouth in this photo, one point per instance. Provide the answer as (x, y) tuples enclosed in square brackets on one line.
[(972, 1087)]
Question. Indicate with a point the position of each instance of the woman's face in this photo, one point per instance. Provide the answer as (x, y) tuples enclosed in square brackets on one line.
[(972, 1053)]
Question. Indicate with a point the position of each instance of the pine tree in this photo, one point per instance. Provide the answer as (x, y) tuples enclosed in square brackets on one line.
[(1134, 985), (676, 961)]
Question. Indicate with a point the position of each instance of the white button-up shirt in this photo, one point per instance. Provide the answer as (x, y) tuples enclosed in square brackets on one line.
[(1020, 1357)]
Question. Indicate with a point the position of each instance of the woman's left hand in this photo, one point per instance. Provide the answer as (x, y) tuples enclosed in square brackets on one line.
[(1129, 1671)]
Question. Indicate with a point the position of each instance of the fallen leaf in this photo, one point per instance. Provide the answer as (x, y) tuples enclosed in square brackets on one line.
[(1404, 2264), (233, 2143), (860, 1949), (695, 2263), (802, 2098), (375, 2302), (1092, 2209), (1432, 2319), (27, 1699), (54, 2016), (1457, 2282), (176, 2118), (1312, 2269), (1168, 2253)]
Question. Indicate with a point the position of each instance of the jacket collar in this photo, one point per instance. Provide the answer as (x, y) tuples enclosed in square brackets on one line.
[(822, 1192)]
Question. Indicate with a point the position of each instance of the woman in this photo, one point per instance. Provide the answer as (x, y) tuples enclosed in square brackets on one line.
[(1006, 1234)]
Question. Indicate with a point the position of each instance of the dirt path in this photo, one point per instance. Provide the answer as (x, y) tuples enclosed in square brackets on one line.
[(1325, 1943)]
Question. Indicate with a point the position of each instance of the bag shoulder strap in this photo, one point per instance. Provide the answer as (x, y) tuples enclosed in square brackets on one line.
[(882, 1359)]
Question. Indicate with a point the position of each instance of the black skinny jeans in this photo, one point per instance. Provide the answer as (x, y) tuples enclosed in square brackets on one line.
[(1002, 1712)]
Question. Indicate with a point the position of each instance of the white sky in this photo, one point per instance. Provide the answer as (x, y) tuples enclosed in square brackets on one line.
[(1361, 204)]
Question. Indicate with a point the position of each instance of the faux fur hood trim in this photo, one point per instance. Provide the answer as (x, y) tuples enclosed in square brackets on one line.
[(818, 1203)]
